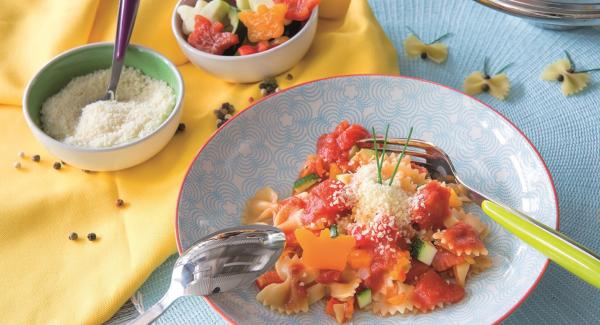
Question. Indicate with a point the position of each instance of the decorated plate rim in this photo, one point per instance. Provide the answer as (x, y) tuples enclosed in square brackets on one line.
[(228, 319)]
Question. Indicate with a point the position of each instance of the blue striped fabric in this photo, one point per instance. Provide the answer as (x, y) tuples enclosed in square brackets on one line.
[(566, 131)]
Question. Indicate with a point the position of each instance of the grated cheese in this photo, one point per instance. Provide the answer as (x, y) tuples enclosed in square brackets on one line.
[(371, 198), (75, 116)]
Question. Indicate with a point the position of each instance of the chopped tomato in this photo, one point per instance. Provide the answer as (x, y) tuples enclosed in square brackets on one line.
[(326, 201), (360, 258), (351, 135), (416, 270), (262, 46), (335, 147), (209, 37), (328, 276), (246, 50), (348, 309), (432, 206), (431, 290), (444, 260), (290, 239), (382, 231), (299, 10), (268, 278)]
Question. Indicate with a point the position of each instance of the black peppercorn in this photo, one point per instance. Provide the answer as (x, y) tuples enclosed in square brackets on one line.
[(181, 127), (485, 87), (289, 76), (91, 236), (423, 55), (119, 203), (36, 158), (561, 78), (73, 236), (57, 165), (487, 77)]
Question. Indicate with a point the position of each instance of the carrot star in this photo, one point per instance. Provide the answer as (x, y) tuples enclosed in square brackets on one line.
[(265, 23), (324, 252)]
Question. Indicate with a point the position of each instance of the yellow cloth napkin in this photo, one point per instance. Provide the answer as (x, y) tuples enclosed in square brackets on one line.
[(48, 279)]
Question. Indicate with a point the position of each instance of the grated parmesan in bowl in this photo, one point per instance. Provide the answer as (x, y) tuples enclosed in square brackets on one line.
[(75, 116)]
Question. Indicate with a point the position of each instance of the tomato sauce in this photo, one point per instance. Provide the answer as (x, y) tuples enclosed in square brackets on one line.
[(432, 206)]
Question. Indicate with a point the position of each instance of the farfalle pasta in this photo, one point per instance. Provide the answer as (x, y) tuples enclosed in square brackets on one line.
[(372, 232)]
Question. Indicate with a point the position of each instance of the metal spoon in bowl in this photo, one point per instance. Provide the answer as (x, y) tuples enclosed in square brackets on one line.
[(222, 261), (126, 20)]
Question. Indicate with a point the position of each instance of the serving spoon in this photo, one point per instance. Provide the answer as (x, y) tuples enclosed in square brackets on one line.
[(125, 22), (567, 253), (225, 260)]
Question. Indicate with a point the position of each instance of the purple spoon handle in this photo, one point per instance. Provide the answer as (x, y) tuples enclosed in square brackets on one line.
[(126, 20)]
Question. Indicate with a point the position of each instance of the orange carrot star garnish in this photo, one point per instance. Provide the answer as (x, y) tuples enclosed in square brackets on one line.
[(264, 24), (324, 252)]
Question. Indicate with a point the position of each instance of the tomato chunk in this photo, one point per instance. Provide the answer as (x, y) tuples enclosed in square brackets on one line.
[(431, 290), (335, 147), (417, 269), (209, 37), (432, 206), (326, 201), (299, 10)]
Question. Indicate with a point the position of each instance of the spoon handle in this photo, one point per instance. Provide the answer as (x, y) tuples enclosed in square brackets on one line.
[(126, 20), (572, 256), (156, 310)]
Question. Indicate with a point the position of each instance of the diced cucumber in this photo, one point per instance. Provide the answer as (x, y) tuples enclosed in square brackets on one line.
[(216, 10), (242, 4), (364, 298), (254, 4), (424, 251), (333, 231), (234, 20), (344, 178), (305, 182)]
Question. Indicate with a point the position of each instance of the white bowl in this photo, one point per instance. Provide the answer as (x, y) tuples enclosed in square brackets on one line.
[(253, 67), (83, 60)]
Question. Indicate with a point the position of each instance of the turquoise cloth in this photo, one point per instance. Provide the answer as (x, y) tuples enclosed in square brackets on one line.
[(566, 131)]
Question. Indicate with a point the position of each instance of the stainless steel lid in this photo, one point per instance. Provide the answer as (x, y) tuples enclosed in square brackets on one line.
[(553, 14)]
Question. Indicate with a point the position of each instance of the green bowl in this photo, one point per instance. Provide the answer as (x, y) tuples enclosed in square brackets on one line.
[(83, 60)]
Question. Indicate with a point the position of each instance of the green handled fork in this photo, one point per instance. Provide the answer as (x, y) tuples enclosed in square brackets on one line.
[(572, 256)]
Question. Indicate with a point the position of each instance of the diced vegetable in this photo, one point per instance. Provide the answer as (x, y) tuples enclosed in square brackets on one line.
[(324, 252), (460, 273), (264, 23), (268, 278), (299, 10), (242, 4), (246, 50), (344, 178), (262, 46), (454, 201), (234, 20), (341, 311), (364, 155), (424, 251), (210, 37), (216, 10), (333, 231), (334, 170), (353, 151), (305, 182), (364, 298), (188, 14), (254, 4), (360, 258)]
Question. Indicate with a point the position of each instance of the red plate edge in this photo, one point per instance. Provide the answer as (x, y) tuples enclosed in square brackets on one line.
[(499, 320)]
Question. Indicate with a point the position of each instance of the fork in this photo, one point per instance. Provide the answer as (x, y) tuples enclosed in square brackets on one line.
[(567, 253)]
